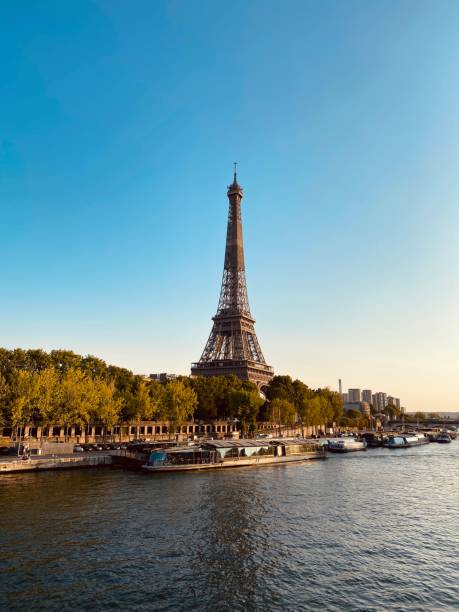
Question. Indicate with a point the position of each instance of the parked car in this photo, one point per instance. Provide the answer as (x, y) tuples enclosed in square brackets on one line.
[(78, 449)]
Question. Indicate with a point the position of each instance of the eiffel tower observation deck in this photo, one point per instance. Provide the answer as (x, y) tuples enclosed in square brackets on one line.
[(233, 347)]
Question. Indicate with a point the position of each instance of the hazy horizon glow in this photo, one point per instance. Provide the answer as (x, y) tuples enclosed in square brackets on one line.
[(119, 126)]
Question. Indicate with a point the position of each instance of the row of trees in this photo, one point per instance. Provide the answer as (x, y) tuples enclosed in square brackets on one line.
[(66, 389), (422, 416), (48, 397), (293, 401), (74, 398)]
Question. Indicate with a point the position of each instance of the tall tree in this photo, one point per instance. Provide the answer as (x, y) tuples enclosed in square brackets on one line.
[(78, 400), (302, 395), (281, 387), (24, 395), (179, 404), (310, 414), (4, 395), (49, 398), (282, 412), (107, 404), (246, 404)]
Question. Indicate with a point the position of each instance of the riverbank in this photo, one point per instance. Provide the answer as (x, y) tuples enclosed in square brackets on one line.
[(10, 465), (133, 457)]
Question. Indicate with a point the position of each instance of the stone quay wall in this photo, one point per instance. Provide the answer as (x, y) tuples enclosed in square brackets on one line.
[(124, 432), (145, 430)]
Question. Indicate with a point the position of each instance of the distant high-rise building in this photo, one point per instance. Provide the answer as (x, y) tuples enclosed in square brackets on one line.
[(345, 397), (354, 395), (379, 401), (340, 384), (397, 402), (390, 400), (367, 396)]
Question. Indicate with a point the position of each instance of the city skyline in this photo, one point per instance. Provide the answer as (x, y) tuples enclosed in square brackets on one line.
[(119, 129)]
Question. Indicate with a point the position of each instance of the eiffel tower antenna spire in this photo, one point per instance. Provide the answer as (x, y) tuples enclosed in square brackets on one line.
[(233, 347)]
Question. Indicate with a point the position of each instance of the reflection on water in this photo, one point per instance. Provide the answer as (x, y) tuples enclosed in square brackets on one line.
[(368, 531)]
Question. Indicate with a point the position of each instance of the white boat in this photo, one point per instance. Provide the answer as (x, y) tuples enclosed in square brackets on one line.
[(346, 445), (216, 454)]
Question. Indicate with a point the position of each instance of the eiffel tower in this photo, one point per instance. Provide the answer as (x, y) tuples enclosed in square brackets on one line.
[(233, 347)]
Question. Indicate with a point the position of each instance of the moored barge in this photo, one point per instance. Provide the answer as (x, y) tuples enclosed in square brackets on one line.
[(443, 437), (406, 440), (216, 454)]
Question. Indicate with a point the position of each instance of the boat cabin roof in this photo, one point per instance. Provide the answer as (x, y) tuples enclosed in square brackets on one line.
[(237, 443), (177, 449), (294, 441), (254, 443)]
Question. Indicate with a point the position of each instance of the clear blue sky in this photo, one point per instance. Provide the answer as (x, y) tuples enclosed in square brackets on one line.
[(119, 123)]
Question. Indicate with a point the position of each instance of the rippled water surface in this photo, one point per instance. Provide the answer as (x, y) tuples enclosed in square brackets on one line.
[(365, 531)]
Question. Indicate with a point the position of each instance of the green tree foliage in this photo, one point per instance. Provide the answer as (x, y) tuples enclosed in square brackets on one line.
[(312, 412), (312, 407), (214, 395), (332, 405), (281, 387), (107, 404), (353, 418), (207, 391), (49, 396), (24, 393), (4, 394), (60, 387), (302, 398), (281, 411), (392, 411), (138, 403), (77, 399), (64, 388), (353, 414), (245, 404), (179, 403)]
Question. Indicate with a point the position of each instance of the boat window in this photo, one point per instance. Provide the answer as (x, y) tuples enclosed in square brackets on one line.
[(249, 451), (157, 458), (266, 450), (228, 452)]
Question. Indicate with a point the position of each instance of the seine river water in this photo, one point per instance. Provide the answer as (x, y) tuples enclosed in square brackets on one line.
[(366, 531)]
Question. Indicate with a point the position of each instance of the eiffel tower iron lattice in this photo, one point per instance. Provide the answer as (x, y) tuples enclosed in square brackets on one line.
[(233, 347)]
